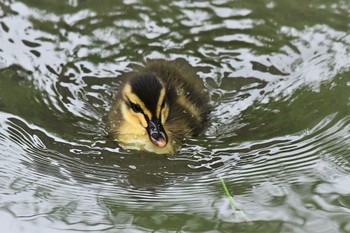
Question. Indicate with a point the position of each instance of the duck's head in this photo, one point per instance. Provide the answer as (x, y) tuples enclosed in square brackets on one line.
[(144, 105)]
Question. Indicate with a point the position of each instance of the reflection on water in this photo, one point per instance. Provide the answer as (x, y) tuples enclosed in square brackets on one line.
[(278, 79)]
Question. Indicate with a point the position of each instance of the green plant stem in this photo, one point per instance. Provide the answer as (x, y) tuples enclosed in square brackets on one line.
[(232, 200)]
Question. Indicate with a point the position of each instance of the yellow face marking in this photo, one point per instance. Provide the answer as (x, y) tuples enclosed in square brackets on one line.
[(164, 113), (160, 101), (129, 114), (133, 117), (128, 94)]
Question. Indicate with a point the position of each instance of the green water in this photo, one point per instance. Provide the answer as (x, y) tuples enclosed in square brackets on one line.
[(278, 77)]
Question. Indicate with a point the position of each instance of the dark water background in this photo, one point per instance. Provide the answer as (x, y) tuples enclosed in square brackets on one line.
[(278, 76)]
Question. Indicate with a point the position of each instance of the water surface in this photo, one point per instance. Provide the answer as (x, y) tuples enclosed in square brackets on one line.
[(278, 77)]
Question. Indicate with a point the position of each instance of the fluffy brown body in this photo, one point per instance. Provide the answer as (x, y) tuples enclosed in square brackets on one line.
[(158, 106)]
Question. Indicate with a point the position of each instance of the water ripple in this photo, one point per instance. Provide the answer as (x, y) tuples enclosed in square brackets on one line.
[(278, 134)]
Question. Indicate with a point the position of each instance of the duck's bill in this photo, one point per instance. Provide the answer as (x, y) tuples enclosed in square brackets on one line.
[(157, 133)]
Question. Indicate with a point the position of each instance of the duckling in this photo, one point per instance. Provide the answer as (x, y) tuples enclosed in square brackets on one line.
[(157, 107)]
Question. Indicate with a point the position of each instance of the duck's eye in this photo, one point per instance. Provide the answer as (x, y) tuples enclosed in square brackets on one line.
[(135, 107)]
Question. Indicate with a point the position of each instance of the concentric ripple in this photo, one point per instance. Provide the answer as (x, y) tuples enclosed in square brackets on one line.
[(278, 79)]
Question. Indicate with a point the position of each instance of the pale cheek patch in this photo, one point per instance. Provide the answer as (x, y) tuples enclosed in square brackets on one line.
[(164, 113), (142, 120), (160, 101)]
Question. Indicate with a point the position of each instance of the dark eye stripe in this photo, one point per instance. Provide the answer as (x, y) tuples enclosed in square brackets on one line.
[(135, 107)]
